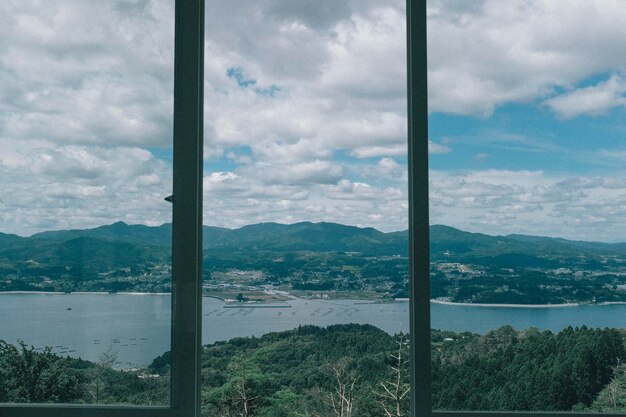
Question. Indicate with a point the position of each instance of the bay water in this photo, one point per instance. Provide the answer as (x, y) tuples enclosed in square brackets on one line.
[(137, 327)]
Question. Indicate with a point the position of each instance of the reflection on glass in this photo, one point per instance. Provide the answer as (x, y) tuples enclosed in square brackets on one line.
[(527, 200), (85, 236), (305, 258)]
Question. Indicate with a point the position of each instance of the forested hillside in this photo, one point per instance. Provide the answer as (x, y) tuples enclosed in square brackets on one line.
[(28, 375), (310, 371), (299, 373), (530, 370)]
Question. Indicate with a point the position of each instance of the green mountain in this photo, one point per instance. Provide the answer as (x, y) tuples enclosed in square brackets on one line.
[(8, 240), (564, 244), (306, 236), (448, 243), (116, 232), (445, 242), (305, 253)]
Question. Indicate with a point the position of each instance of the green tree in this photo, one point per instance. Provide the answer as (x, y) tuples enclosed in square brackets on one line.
[(30, 376)]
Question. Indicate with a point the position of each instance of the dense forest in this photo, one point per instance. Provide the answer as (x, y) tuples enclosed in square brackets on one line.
[(28, 375), (349, 370)]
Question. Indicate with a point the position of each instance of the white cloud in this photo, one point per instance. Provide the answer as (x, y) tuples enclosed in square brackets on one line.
[(52, 186), (278, 152), (390, 167), (340, 75), (437, 149), (532, 202), (314, 172), (494, 52), (367, 59), (86, 73), (387, 172), (374, 151), (85, 90), (233, 201), (593, 100)]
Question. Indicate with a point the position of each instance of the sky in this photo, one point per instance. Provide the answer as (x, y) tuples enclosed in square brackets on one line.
[(305, 114)]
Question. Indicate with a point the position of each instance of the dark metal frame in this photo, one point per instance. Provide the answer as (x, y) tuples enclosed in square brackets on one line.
[(419, 263), (185, 381), (419, 255), (187, 234)]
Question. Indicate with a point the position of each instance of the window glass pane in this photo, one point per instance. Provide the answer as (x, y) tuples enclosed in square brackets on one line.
[(305, 256), (527, 199), (85, 235)]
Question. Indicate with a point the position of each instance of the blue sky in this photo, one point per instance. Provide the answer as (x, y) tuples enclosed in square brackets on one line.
[(530, 136), (305, 114)]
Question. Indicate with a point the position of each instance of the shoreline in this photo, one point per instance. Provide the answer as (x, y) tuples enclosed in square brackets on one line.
[(364, 301), (214, 296), (132, 293), (33, 292), (81, 293), (452, 303)]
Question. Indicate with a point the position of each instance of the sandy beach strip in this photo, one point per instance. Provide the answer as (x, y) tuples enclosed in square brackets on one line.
[(32, 292), (451, 303)]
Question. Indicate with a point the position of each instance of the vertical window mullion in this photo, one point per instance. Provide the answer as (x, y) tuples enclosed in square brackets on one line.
[(419, 258), (187, 210)]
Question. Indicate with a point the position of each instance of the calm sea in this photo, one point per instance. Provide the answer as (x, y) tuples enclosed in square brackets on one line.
[(137, 327)]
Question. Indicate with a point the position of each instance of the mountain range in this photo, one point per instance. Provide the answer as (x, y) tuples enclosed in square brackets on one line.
[(120, 244)]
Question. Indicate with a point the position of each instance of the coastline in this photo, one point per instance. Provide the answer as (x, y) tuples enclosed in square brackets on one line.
[(363, 301), (133, 293), (214, 296), (452, 303), (82, 293), (32, 292)]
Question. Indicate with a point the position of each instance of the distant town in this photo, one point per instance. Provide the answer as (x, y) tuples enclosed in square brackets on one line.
[(270, 262)]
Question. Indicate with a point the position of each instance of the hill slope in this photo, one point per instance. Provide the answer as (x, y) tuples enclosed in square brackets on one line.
[(320, 256)]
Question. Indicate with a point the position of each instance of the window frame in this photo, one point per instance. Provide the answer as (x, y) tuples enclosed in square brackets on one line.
[(186, 342), (419, 240), (186, 328)]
